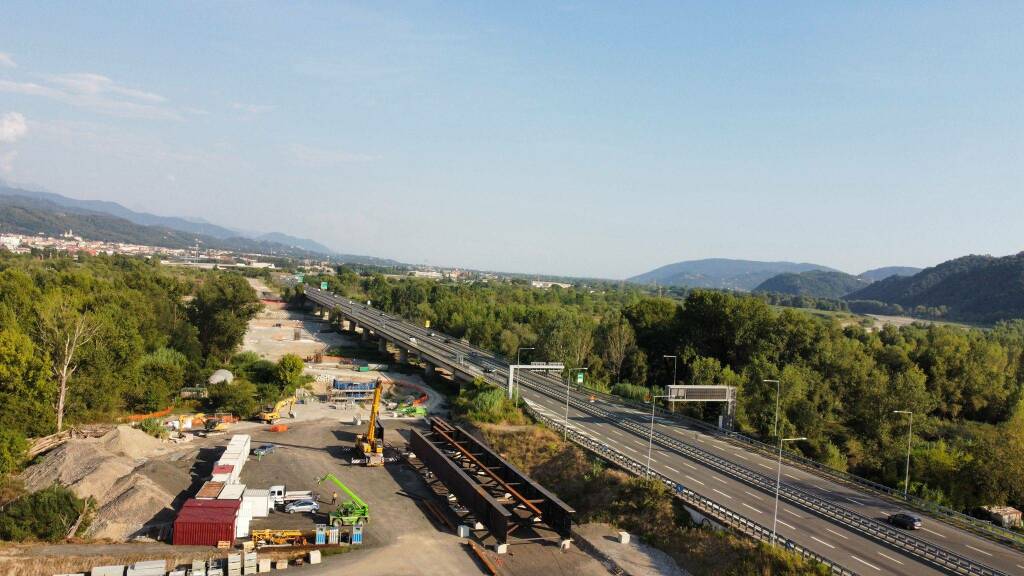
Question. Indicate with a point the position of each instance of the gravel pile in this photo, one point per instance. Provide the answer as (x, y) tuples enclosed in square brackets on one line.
[(121, 471)]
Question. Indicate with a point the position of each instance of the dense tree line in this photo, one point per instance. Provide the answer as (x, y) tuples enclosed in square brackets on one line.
[(840, 384), (89, 337)]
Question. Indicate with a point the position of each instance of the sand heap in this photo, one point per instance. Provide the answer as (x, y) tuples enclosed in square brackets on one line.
[(117, 470)]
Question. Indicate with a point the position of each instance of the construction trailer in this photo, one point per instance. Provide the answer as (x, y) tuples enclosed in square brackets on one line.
[(370, 446), (351, 512)]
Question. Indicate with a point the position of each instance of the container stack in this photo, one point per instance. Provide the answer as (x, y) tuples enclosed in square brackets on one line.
[(249, 565), (210, 490), (235, 492), (206, 522), (229, 468)]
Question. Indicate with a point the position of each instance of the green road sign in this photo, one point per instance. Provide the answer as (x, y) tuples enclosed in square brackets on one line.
[(300, 277), (323, 285), (579, 377)]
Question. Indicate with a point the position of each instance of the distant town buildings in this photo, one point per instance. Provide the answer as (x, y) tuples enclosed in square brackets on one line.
[(545, 284)]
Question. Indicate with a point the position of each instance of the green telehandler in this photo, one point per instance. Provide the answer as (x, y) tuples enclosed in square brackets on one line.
[(351, 512)]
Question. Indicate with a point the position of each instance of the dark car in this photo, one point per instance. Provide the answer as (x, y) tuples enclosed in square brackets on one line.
[(490, 369), (262, 450), (905, 521), (447, 340)]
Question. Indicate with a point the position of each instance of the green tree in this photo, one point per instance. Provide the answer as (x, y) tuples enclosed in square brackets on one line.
[(221, 311), (289, 372)]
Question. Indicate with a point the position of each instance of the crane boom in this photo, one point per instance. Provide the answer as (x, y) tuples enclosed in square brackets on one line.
[(345, 489), (371, 434)]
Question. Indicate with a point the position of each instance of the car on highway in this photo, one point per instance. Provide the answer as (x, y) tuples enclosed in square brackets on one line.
[(412, 339), (431, 334), (447, 340), (302, 506), (490, 369), (262, 450), (905, 521)]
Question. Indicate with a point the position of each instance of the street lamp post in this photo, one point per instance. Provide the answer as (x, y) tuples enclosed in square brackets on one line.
[(568, 380), (516, 382), (910, 441), (778, 395), (650, 438), (778, 485)]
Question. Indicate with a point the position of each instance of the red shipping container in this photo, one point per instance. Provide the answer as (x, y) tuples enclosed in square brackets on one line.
[(206, 522), (223, 469)]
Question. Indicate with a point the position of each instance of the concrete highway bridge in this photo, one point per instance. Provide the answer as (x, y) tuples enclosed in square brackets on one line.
[(822, 514)]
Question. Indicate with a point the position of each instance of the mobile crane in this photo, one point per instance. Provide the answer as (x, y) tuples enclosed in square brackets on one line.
[(370, 446), (351, 512)]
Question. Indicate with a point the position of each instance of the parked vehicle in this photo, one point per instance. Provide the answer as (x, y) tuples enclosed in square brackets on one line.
[(280, 496), (490, 369), (262, 450), (905, 521), (302, 506)]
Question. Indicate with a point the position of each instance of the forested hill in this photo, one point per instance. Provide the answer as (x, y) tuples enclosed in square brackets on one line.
[(982, 289), (815, 283), (877, 274), (720, 273)]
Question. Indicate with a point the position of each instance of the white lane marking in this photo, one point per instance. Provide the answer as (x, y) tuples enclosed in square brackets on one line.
[(837, 533), (719, 479), (855, 501), (690, 466), (978, 550), (884, 555), (751, 494), (722, 493), (630, 448), (751, 507), (653, 461), (784, 523), (791, 512), (933, 532), (763, 465), (788, 475), (865, 563), (815, 538), (671, 468), (694, 479), (738, 455), (614, 431)]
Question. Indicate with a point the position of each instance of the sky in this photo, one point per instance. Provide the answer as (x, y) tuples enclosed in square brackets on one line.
[(577, 138)]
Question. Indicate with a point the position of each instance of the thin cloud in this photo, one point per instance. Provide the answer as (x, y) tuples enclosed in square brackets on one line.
[(12, 127), (7, 162), (253, 108), (321, 157), (96, 92), (7, 61)]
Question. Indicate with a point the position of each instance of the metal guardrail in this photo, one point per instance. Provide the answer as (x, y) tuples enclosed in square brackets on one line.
[(936, 555), (981, 527), (704, 505)]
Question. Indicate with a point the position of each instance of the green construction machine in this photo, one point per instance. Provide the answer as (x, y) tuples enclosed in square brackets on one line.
[(417, 411), (352, 512)]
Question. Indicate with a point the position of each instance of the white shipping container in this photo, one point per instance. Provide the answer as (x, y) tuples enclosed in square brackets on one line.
[(259, 501), (225, 478), (242, 527), (232, 492)]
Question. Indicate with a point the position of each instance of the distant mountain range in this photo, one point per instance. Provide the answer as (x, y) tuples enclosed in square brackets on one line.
[(882, 273), (981, 289), (721, 273), (30, 212), (815, 283)]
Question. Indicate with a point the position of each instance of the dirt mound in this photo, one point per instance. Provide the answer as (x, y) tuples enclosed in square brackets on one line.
[(121, 471)]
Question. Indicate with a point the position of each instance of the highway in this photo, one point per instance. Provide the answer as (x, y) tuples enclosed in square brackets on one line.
[(743, 480)]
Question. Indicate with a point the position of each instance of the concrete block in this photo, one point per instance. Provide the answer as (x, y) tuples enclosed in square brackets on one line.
[(109, 570), (623, 537), (478, 526), (464, 531), (501, 548), (176, 573), (265, 565), (280, 564), (314, 556)]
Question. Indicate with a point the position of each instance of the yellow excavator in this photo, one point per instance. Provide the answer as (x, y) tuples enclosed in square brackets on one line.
[(370, 446), (271, 414)]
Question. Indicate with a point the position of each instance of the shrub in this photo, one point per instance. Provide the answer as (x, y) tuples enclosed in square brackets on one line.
[(44, 515), (12, 450)]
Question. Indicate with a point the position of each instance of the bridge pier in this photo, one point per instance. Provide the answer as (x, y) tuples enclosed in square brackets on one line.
[(428, 369), (403, 356), (366, 334), (382, 345)]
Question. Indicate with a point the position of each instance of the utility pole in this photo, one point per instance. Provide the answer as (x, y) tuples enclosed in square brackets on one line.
[(568, 379), (910, 441)]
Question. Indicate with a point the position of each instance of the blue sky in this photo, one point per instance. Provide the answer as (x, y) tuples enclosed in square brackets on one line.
[(596, 139)]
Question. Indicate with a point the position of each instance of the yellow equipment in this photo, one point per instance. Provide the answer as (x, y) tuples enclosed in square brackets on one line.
[(371, 444), (264, 538), (272, 415)]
